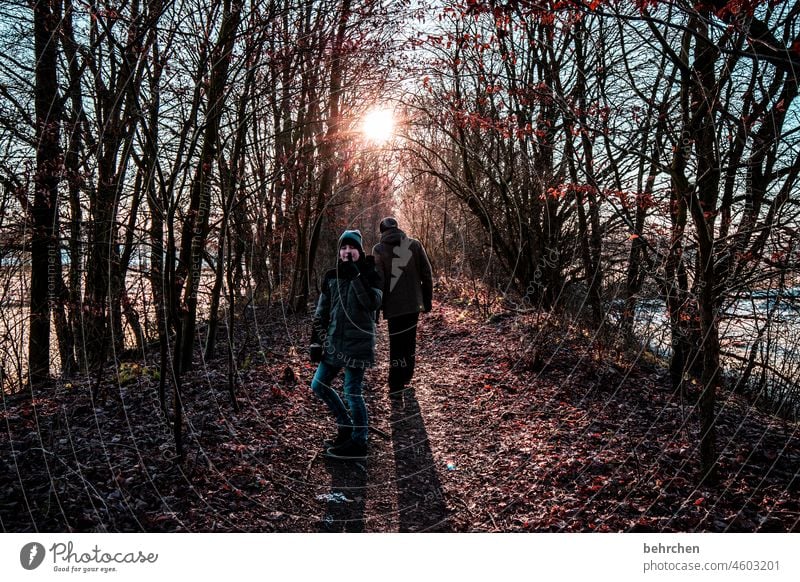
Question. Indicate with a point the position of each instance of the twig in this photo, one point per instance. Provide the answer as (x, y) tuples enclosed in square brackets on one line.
[(464, 503), (308, 467), (381, 433)]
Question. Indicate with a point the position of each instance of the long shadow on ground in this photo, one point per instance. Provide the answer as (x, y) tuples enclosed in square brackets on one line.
[(347, 498), (420, 498)]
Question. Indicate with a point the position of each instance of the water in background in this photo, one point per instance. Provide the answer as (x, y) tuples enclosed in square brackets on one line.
[(770, 315)]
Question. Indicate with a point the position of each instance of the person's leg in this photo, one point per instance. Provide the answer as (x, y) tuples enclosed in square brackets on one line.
[(353, 392), (402, 350), (395, 354), (354, 448), (321, 386), (410, 343)]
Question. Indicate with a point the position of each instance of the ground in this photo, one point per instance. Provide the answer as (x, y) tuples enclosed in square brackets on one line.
[(516, 423)]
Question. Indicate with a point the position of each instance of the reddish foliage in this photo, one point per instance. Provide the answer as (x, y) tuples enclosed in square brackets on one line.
[(735, 8)]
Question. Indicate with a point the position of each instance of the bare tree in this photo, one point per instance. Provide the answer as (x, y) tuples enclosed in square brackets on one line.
[(45, 254)]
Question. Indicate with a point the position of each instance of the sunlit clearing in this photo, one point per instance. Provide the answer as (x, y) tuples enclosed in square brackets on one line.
[(378, 125)]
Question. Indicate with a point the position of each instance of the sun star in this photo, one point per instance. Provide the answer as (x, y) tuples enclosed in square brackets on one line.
[(378, 125)]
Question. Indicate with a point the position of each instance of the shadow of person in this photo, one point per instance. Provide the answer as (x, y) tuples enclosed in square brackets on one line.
[(420, 498), (347, 498)]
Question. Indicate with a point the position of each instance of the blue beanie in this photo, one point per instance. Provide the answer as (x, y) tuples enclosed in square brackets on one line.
[(353, 237)]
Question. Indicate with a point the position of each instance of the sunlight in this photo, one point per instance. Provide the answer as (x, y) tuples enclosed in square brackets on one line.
[(378, 125)]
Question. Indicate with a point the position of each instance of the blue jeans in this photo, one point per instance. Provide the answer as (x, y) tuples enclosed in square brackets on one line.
[(353, 379)]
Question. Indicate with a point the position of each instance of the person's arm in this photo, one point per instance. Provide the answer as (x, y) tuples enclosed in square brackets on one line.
[(368, 286), (381, 267), (374, 272), (425, 276), (369, 298), (320, 320)]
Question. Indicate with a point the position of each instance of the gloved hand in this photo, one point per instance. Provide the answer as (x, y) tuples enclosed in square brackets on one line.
[(370, 273), (348, 270), (315, 353)]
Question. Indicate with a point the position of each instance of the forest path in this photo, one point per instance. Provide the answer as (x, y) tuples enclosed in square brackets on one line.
[(400, 486), (529, 424), (518, 423), (428, 435), (453, 453)]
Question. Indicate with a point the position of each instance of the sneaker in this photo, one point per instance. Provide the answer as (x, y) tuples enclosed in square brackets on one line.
[(342, 436), (348, 450)]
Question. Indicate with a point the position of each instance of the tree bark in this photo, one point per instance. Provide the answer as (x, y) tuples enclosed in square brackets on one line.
[(195, 229), (305, 257), (46, 22)]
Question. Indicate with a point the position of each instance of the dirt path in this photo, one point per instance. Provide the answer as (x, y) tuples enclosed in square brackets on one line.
[(513, 425), (399, 486), (494, 438), (497, 436)]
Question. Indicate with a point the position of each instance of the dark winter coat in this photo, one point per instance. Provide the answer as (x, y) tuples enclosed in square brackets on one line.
[(344, 321), (406, 272)]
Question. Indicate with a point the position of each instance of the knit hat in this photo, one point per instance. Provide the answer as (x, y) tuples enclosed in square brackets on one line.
[(387, 223), (352, 237)]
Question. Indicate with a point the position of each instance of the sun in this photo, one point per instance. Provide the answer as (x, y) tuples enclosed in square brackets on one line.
[(378, 125)]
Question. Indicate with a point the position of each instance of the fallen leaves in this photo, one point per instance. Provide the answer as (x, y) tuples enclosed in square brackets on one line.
[(494, 441)]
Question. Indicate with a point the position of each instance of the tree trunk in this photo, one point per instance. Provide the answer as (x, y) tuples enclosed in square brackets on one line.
[(196, 226), (46, 20), (306, 256), (216, 291), (703, 210)]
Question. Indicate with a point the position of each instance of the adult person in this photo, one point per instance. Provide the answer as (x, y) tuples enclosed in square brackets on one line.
[(407, 291), (343, 337)]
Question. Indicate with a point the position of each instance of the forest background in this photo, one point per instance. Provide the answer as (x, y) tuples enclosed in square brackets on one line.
[(624, 171)]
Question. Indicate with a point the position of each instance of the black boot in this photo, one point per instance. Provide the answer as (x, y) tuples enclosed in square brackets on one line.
[(342, 436), (349, 450)]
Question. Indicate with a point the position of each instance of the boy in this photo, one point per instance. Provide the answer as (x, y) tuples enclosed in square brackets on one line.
[(343, 336)]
